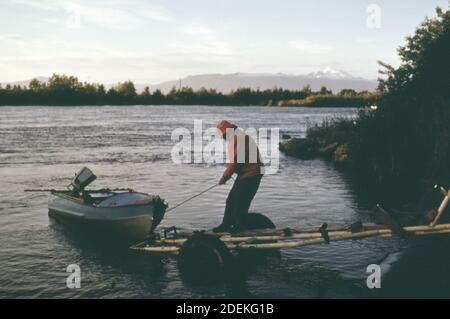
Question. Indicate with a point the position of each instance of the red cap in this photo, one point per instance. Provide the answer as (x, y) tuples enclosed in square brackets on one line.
[(223, 125)]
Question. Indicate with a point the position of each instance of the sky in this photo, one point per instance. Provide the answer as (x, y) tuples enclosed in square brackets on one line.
[(153, 41)]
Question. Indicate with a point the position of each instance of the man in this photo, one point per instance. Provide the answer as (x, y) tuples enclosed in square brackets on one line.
[(245, 161)]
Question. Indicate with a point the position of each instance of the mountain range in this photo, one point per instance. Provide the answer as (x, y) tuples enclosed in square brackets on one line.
[(333, 80)]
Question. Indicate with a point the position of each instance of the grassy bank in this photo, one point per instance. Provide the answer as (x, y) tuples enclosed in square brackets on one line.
[(361, 99)]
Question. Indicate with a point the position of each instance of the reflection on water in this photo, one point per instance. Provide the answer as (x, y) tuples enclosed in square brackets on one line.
[(130, 147)]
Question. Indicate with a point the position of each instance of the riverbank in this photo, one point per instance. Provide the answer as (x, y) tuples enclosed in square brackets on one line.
[(343, 99), (328, 140)]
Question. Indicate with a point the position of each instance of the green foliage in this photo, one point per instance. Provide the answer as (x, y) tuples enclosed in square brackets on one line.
[(63, 83), (330, 131), (126, 89), (404, 146), (68, 90), (414, 117), (348, 92), (324, 91)]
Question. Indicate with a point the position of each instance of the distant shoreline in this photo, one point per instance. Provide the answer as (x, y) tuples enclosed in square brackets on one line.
[(182, 105), (63, 90)]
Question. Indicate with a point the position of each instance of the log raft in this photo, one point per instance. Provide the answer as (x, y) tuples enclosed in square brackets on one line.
[(295, 237), (282, 239)]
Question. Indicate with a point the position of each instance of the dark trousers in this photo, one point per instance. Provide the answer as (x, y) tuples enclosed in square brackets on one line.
[(239, 200)]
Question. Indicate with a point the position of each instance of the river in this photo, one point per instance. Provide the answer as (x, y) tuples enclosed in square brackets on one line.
[(130, 146)]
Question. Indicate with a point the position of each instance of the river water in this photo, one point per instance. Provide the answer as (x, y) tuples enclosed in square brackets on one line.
[(42, 147)]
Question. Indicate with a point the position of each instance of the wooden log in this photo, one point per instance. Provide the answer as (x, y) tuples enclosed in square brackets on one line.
[(294, 244), (156, 249), (230, 239), (442, 231), (416, 230), (270, 232), (441, 209), (426, 228)]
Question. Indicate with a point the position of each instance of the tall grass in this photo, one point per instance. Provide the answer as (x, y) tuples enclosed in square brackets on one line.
[(330, 100)]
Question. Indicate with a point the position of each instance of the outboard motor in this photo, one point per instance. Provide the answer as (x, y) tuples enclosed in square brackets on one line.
[(82, 179)]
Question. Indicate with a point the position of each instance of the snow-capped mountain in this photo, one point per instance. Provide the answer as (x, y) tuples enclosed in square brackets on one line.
[(329, 73)]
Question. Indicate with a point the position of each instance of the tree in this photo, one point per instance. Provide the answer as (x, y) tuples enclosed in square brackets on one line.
[(306, 90), (347, 92), (63, 83), (101, 90), (126, 89), (325, 91), (35, 85), (405, 144), (158, 97)]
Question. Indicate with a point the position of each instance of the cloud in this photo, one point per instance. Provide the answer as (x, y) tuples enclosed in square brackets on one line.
[(193, 43), (365, 41), (200, 49), (124, 15), (12, 38), (77, 52), (41, 5), (109, 13), (201, 42), (309, 47), (197, 30)]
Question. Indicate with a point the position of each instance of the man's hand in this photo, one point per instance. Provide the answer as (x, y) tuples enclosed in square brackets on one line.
[(222, 181)]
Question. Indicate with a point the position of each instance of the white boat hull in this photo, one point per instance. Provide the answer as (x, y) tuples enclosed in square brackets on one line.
[(134, 221)]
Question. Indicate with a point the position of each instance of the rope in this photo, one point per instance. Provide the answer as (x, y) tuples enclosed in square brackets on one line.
[(103, 190), (192, 197)]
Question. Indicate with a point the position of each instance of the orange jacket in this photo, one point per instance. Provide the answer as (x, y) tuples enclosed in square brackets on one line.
[(244, 157)]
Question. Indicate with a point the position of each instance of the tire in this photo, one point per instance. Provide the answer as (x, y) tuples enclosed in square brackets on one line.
[(258, 221), (204, 258), (255, 221)]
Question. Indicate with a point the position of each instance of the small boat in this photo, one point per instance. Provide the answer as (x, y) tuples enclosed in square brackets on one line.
[(107, 213)]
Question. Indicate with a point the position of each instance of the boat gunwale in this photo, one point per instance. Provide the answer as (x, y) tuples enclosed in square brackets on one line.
[(77, 201)]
